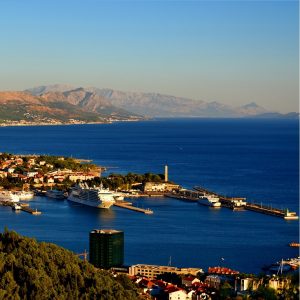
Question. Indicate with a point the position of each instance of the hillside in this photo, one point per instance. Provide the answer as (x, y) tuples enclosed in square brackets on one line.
[(154, 104), (88, 101), (32, 270), (56, 107)]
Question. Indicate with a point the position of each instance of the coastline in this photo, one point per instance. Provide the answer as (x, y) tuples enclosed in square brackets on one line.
[(66, 124)]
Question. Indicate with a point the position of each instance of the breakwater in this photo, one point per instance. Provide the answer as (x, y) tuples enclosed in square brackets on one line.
[(234, 203), (23, 207)]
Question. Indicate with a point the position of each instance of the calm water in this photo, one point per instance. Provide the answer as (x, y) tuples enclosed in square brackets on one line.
[(257, 159)]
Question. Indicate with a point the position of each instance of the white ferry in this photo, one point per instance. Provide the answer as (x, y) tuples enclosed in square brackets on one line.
[(208, 200), (96, 196), (9, 196)]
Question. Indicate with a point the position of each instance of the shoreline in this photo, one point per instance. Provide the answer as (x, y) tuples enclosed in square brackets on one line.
[(67, 124)]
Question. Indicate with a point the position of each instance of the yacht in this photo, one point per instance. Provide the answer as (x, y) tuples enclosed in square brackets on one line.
[(9, 196), (16, 206), (25, 195), (118, 196), (208, 200), (95, 196), (55, 194)]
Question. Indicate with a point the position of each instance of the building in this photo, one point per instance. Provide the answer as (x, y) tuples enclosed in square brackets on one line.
[(250, 284), (106, 248), (277, 283), (160, 187), (151, 271), (178, 295), (214, 281)]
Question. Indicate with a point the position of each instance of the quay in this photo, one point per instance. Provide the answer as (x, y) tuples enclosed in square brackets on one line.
[(286, 214), (128, 205), (24, 207), (234, 203), (185, 195)]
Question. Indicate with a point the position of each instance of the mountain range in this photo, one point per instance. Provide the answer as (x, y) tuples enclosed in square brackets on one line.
[(152, 104), (67, 104)]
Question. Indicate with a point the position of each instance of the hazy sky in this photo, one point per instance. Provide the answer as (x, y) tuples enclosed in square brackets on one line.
[(234, 52)]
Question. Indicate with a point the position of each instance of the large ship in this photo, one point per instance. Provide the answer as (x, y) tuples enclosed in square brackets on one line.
[(209, 200), (9, 196), (95, 196)]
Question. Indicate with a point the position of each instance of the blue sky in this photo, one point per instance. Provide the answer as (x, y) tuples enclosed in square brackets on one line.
[(233, 52)]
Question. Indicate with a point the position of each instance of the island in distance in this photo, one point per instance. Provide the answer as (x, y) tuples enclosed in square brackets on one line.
[(64, 104)]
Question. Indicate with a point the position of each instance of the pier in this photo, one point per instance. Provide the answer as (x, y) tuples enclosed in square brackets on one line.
[(286, 214), (185, 195), (24, 207), (128, 205), (234, 203)]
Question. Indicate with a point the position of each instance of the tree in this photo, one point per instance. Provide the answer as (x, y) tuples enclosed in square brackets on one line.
[(265, 293)]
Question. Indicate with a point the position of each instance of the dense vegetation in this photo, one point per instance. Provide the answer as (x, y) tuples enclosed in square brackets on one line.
[(32, 270), (131, 180)]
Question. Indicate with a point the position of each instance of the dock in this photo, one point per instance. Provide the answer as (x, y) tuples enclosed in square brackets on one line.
[(234, 203), (30, 210), (128, 205), (24, 207), (285, 214), (185, 195)]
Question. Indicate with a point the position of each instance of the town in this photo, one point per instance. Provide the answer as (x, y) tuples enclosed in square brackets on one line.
[(169, 282), (41, 171)]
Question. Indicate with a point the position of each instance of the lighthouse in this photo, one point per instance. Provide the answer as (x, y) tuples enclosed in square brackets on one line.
[(166, 173)]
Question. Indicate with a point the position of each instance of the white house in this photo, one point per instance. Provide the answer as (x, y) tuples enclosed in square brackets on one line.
[(178, 295)]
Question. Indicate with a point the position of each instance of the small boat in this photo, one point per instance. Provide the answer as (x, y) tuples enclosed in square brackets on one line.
[(294, 244), (118, 196), (16, 206), (9, 196), (290, 215)]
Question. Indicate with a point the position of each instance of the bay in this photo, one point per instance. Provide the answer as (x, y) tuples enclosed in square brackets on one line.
[(257, 159)]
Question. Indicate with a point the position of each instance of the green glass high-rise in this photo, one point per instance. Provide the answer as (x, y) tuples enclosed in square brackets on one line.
[(106, 248)]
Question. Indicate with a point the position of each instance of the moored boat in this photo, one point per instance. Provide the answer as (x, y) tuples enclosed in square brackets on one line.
[(9, 196), (95, 196), (16, 206), (209, 200), (118, 196), (25, 195), (294, 244)]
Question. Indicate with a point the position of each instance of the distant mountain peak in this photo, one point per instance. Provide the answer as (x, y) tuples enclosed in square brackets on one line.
[(251, 104)]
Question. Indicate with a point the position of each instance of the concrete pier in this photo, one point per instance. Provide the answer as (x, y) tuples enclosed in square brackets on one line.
[(128, 205), (24, 207)]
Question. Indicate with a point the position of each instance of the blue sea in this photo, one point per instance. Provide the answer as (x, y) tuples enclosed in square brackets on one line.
[(256, 159)]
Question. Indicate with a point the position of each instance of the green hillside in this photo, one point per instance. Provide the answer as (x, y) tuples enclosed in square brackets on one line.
[(32, 270), (55, 110)]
